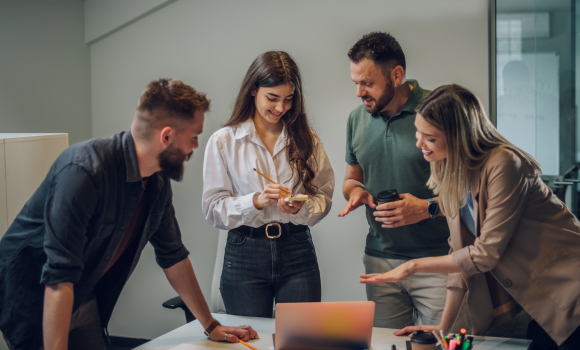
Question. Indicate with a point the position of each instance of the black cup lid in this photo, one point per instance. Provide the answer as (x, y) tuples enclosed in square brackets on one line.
[(421, 337), (388, 196)]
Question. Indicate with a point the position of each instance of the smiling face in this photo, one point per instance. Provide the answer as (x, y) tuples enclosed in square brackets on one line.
[(273, 102), (373, 88), (430, 140)]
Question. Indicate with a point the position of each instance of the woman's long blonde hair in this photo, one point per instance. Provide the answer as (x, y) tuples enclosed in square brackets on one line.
[(470, 137)]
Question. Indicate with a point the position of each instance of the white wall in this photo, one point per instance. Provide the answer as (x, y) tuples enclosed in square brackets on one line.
[(210, 45), (44, 68), (105, 17)]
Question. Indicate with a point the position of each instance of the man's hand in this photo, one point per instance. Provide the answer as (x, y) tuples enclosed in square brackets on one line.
[(357, 198), (183, 280), (407, 211), (232, 334)]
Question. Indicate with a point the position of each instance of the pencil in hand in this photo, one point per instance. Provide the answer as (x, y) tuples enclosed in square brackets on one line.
[(272, 181)]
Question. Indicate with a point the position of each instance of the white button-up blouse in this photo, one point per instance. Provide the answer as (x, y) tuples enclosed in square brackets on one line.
[(230, 183)]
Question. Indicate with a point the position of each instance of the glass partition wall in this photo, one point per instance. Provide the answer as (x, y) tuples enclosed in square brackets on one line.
[(535, 86)]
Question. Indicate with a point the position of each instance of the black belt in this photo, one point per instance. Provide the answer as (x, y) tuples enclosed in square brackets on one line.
[(271, 230)]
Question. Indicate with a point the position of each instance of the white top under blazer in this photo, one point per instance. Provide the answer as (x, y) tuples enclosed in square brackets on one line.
[(230, 183)]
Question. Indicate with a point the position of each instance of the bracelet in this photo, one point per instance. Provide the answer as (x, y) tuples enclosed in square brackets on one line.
[(211, 327)]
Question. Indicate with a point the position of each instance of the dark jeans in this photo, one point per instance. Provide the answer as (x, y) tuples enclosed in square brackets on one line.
[(258, 271), (542, 341), (85, 332)]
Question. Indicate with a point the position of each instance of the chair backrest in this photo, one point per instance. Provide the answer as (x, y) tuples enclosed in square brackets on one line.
[(217, 303)]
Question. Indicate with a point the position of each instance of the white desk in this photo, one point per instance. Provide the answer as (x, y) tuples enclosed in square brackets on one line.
[(383, 338)]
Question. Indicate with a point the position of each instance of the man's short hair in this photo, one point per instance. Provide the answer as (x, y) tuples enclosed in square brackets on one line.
[(382, 48), (167, 101)]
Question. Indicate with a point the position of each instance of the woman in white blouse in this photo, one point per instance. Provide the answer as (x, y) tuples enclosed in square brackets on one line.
[(269, 254)]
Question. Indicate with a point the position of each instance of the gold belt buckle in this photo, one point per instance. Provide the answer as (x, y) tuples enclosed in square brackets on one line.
[(279, 230)]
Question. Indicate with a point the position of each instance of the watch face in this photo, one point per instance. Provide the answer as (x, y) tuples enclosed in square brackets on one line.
[(433, 208)]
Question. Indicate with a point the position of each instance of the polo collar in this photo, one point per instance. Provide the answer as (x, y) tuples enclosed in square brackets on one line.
[(131, 161), (412, 101)]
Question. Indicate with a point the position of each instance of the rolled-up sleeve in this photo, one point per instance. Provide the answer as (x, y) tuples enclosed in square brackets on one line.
[(166, 241), (455, 280), (221, 207), (72, 199), (507, 195), (318, 206)]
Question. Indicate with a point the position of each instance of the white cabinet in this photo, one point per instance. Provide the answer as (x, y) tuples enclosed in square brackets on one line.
[(24, 162)]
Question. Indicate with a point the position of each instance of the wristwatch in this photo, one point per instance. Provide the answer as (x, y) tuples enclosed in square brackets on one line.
[(211, 327), (433, 208)]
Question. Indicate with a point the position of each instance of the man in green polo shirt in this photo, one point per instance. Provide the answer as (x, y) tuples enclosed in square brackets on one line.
[(381, 155)]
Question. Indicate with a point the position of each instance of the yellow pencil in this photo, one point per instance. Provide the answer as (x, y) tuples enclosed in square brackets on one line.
[(246, 344), (272, 181)]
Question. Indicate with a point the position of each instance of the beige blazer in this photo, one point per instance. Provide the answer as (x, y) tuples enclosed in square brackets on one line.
[(526, 250)]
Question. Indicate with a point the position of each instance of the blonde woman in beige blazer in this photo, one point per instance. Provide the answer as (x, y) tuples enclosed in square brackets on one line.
[(514, 244)]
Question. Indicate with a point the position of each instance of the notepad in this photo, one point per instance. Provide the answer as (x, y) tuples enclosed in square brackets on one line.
[(296, 199)]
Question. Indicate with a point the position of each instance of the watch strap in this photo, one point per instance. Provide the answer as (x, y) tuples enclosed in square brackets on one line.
[(211, 327)]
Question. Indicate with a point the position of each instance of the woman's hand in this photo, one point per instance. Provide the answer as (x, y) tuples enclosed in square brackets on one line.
[(397, 274), (290, 207), (410, 329), (270, 196)]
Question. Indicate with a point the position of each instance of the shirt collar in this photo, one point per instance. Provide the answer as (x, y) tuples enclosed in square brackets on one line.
[(248, 128), (412, 101), (131, 161)]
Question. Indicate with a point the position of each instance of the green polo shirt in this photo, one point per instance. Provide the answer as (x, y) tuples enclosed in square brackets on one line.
[(385, 149)]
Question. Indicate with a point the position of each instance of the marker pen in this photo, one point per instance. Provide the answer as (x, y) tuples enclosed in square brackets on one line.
[(462, 336)]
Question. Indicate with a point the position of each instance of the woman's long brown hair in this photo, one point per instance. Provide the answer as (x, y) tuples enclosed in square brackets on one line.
[(270, 69)]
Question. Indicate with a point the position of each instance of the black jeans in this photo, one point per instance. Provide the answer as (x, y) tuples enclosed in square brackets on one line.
[(542, 341), (258, 271)]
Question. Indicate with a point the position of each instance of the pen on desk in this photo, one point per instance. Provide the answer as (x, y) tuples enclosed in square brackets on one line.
[(246, 344), (272, 181)]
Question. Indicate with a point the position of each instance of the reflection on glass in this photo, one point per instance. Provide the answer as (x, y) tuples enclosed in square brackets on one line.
[(536, 44)]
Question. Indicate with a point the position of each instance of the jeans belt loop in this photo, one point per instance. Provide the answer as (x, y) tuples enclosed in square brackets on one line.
[(274, 224), (251, 232)]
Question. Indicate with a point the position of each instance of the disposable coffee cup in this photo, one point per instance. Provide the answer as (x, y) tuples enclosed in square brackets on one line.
[(387, 196), (423, 341)]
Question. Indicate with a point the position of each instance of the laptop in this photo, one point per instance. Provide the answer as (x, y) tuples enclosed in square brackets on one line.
[(324, 326)]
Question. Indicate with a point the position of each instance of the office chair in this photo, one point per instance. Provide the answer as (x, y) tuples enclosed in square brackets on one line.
[(216, 304)]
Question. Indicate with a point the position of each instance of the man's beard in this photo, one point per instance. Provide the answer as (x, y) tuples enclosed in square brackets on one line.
[(171, 162), (383, 100)]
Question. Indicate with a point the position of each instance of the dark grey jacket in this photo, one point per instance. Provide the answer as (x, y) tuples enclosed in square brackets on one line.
[(70, 227)]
